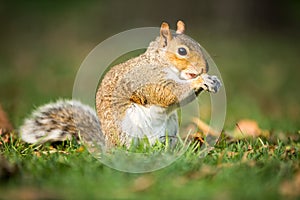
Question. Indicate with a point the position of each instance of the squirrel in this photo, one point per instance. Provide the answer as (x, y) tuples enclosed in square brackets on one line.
[(136, 99)]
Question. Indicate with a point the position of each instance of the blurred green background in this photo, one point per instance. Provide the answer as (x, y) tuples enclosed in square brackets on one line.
[(255, 45)]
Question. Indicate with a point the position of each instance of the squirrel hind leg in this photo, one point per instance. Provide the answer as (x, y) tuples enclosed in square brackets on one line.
[(54, 122)]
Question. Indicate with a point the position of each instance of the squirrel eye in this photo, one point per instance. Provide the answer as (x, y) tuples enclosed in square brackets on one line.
[(182, 51)]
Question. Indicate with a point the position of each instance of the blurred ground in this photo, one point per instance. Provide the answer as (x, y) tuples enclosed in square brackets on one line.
[(255, 45)]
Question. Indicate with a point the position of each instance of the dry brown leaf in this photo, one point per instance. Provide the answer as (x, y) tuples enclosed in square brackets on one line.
[(7, 169), (180, 181), (80, 149), (205, 127), (142, 183), (198, 137), (6, 137), (291, 188), (5, 125), (30, 193), (37, 153), (231, 154), (289, 151), (204, 171), (247, 128), (6, 129)]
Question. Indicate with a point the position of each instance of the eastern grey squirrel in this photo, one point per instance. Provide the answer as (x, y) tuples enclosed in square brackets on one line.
[(135, 99)]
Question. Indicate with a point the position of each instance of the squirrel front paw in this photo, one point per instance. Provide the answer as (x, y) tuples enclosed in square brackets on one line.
[(210, 83)]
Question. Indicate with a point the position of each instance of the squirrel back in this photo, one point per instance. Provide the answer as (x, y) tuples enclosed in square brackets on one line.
[(135, 99)]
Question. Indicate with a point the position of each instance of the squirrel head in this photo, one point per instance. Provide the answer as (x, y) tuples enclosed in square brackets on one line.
[(182, 52)]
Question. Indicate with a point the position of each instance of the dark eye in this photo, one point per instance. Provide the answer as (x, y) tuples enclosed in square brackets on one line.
[(182, 51)]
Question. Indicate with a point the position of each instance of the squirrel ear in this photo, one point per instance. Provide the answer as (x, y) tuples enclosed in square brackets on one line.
[(180, 27), (165, 34)]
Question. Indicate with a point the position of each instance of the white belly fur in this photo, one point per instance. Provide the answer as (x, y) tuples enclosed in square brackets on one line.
[(149, 122)]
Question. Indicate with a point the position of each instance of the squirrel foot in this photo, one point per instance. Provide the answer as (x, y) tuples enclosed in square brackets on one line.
[(211, 83)]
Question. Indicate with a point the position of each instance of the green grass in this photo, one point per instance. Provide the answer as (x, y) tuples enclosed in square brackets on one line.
[(253, 168)]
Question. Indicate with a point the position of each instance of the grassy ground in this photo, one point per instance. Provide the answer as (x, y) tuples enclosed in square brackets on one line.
[(235, 169)]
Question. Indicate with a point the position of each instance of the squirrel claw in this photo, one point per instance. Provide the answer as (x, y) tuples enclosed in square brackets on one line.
[(211, 83)]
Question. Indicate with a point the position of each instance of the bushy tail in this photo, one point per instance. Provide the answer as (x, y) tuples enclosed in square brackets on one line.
[(60, 121)]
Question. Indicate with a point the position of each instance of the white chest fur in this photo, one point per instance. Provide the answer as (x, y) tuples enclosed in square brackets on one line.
[(151, 122)]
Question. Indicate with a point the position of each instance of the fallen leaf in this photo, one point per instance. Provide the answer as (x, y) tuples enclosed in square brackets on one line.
[(30, 193), (142, 183), (288, 152), (5, 124), (207, 130), (180, 181), (7, 137), (247, 128), (37, 153), (199, 137), (291, 188), (80, 149), (203, 172), (231, 154), (7, 169)]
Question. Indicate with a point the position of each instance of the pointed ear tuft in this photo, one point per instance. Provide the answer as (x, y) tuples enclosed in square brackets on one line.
[(165, 34), (180, 27)]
